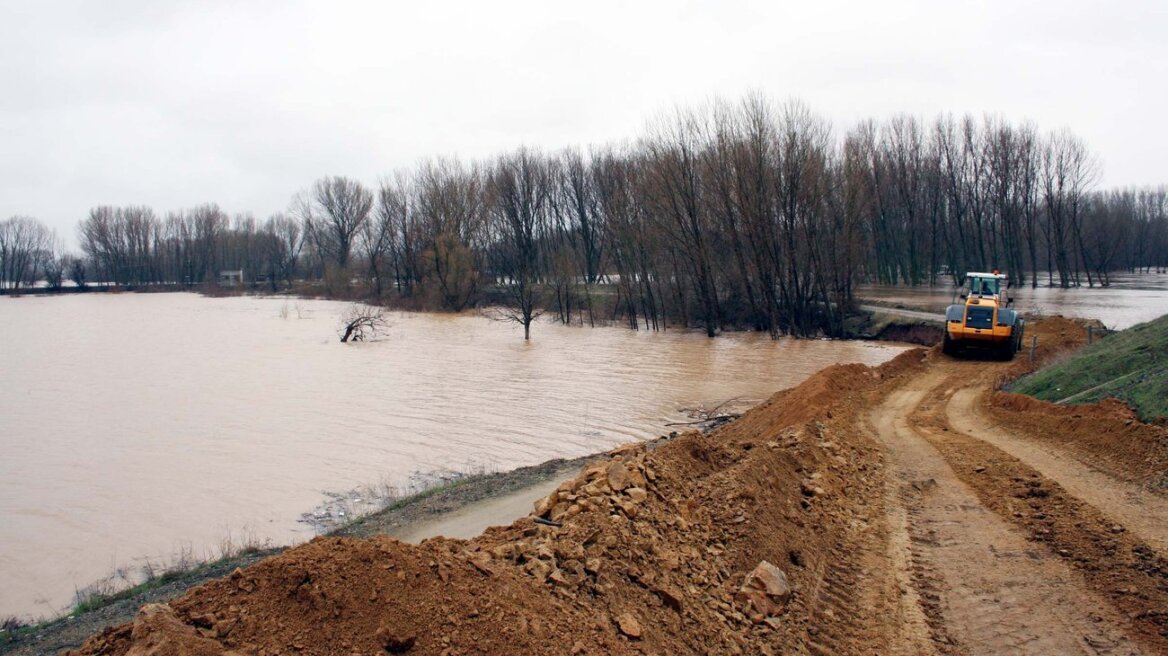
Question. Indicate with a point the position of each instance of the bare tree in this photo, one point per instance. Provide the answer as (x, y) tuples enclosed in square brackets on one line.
[(26, 245), (283, 240), (207, 223), (1068, 170), (673, 191), (378, 233), (451, 222), (54, 272), (362, 322), (519, 190), (631, 244), (342, 207), (76, 269), (124, 242)]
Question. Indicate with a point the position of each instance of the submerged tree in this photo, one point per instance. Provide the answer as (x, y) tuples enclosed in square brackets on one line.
[(519, 193), (362, 322)]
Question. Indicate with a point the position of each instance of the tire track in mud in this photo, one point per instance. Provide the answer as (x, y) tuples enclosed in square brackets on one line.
[(983, 586), (855, 606), (1116, 564), (1143, 513), (835, 600)]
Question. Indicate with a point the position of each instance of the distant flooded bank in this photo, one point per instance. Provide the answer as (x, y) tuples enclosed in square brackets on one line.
[(1130, 299), (150, 425)]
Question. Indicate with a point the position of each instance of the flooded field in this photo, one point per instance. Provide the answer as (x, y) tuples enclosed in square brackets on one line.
[(159, 426), (1131, 299)]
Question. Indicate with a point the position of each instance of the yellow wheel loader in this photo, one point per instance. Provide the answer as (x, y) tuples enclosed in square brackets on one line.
[(984, 321)]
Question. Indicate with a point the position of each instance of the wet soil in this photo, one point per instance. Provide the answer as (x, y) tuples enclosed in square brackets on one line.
[(400, 518)]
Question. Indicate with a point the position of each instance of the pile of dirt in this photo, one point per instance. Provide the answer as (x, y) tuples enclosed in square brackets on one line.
[(711, 543), (1057, 336), (1108, 433)]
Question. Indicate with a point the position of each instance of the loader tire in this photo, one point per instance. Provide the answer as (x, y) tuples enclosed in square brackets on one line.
[(1006, 350), (948, 346)]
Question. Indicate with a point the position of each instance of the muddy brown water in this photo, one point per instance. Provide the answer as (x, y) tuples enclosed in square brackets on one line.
[(155, 427), (1130, 299)]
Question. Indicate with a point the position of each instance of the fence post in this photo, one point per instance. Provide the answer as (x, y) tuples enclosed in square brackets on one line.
[(1033, 347)]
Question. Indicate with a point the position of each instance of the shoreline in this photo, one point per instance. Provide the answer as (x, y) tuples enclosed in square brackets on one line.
[(859, 328), (799, 465), (407, 517), (401, 519)]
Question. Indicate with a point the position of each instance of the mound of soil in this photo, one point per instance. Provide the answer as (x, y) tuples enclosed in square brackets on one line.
[(658, 551), (1107, 434)]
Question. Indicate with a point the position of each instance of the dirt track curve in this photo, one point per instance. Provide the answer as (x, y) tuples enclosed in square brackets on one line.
[(912, 509), (987, 588)]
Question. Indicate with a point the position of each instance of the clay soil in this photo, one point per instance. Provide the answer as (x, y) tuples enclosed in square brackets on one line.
[(911, 509)]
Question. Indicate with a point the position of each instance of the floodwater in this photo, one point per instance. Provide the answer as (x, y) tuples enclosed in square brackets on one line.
[(1131, 299), (158, 426)]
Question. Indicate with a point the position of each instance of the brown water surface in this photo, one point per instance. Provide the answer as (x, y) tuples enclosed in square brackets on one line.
[(140, 426)]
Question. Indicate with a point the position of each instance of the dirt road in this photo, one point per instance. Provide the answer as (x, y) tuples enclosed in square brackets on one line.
[(986, 588), (910, 509), (917, 315), (1139, 510)]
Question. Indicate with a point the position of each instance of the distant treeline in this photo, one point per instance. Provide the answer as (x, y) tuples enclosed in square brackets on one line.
[(746, 214)]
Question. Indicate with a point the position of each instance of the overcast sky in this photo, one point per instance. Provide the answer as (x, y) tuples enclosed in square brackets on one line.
[(176, 103)]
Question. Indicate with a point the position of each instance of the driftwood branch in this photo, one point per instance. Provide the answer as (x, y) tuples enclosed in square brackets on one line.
[(709, 418), (720, 419)]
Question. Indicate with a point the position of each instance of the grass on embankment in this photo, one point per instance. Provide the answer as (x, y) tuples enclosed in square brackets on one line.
[(1131, 365)]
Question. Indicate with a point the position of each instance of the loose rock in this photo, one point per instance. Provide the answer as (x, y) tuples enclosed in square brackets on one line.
[(765, 592), (629, 626)]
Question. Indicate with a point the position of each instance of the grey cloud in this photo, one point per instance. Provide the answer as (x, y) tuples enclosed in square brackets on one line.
[(177, 103)]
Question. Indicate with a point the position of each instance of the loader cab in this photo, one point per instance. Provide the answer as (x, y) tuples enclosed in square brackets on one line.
[(986, 285)]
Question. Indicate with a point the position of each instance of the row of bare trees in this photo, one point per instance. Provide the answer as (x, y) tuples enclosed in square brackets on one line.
[(966, 194), (132, 246), (746, 214)]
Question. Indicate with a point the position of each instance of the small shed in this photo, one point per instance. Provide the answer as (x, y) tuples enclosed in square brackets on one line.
[(231, 278)]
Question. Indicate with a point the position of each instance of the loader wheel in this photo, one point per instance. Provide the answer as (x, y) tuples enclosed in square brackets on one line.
[(1006, 350), (948, 346)]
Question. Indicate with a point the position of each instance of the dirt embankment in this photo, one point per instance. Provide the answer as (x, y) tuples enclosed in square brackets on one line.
[(653, 550), (413, 514), (848, 515)]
